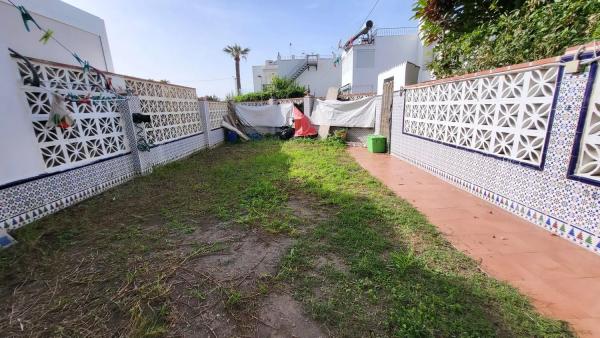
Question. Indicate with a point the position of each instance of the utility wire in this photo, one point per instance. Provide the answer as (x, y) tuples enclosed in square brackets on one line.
[(84, 63), (368, 15), (20, 8)]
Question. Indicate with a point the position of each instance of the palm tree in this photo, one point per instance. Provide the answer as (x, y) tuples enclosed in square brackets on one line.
[(237, 52)]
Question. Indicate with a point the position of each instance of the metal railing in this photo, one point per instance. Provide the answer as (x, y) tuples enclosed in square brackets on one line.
[(393, 31)]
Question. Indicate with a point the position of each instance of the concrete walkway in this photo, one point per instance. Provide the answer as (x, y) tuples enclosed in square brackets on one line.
[(562, 279)]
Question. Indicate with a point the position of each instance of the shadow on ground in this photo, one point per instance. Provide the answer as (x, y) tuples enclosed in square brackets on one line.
[(257, 239)]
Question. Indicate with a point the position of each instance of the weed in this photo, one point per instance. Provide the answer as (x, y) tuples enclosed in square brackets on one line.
[(234, 298), (197, 294)]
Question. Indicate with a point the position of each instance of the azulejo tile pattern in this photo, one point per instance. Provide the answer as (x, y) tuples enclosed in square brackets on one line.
[(545, 197), (502, 115), (555, 225), (24, 203), (172, 151), (174, 110), (98, 129)]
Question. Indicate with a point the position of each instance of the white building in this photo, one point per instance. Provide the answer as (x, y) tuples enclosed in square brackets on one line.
[(402, 75), (384, 49), (80, 31), (313, 71)]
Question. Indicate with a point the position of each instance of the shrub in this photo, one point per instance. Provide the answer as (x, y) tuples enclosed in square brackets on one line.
[(280, 88), (533, 30)]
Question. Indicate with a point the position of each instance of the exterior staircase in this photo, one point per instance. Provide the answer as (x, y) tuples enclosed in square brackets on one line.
[(311, 60)]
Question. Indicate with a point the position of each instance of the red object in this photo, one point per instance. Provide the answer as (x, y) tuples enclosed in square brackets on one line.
[(64, 125), (85, 100), (302, 124)]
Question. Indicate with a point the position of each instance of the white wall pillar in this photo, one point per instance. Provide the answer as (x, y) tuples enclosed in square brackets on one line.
[(308, 104)]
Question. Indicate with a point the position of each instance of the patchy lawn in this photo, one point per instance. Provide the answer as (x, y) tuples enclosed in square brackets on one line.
[(256, 239)]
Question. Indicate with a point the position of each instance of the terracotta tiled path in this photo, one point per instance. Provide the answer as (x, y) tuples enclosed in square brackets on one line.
[(562, 279)]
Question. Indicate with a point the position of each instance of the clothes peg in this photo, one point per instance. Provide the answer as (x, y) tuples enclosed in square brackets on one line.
[(47, 36), (26, 18)]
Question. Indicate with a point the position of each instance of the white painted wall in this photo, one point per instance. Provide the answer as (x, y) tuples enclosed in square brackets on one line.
[(347, 67), (389, 51), (403, 74), (19, 148), (257, 80), (320, 79), (286, 66), (81, 31)]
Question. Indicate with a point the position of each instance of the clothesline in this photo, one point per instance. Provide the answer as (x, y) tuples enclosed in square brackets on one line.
[(49, 35)]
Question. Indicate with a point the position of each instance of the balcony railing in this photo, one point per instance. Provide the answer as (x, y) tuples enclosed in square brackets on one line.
[(395, 31)]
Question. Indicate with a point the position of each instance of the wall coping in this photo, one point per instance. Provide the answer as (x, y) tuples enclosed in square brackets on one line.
[(588, 47), (65, 65)]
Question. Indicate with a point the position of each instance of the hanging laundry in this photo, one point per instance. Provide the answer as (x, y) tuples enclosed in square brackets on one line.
[(26, 18), (60, 116), (47, 36)]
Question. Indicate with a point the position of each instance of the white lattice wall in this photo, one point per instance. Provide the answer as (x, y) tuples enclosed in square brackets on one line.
[(216, 112), (98, 129), (502, 115), (65, 166), (174, 110), (588, 154)]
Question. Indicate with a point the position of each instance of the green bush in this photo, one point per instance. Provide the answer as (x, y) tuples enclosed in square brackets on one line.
[(537, 29), (280, 88)]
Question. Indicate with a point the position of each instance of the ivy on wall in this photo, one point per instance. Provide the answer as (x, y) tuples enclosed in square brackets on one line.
[(476, 35)]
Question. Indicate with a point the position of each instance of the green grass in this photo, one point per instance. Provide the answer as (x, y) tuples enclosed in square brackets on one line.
[(404, 278), (109, 260)]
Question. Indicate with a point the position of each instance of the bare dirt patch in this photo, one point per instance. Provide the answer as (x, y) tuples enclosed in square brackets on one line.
[(282, 316), (229, 293), (331, 260), (308, 209)]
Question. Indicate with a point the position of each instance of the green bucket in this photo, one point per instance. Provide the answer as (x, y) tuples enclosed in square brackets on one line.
[(376, 143)]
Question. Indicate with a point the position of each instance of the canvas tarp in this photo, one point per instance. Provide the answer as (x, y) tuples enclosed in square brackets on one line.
[(302, 124), (278, 115), (359, 113)]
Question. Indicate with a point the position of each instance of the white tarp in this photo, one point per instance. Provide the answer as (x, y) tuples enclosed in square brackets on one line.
[(359, 113), (277, 115)]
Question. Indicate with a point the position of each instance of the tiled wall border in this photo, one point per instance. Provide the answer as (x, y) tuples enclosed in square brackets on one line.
[(122, 169), (557, 226)]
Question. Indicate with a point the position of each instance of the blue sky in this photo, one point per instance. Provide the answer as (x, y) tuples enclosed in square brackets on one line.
[(182, 41)]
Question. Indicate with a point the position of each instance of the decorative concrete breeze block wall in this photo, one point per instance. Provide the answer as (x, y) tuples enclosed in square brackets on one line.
[(216, 112), (101, 149), (527, 141)]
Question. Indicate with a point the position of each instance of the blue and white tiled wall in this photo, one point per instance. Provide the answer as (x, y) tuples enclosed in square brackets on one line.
[(82, 171), (545, 194)]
